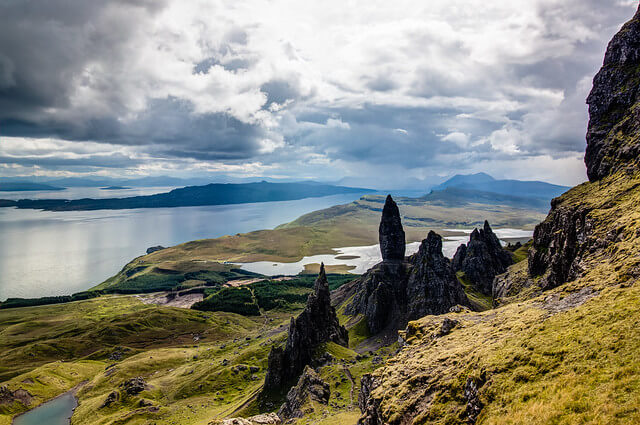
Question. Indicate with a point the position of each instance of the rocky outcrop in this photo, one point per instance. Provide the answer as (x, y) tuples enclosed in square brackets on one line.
[(432, 287), (8, 397), (369, 406), (392, 238), (613, 136), (310, 388), (156, 248), (134, 386), (482, 259), (558, 244), (317, 324), (392, 293)]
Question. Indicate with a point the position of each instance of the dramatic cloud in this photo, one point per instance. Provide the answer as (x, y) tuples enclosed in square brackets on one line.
[(325, 90)]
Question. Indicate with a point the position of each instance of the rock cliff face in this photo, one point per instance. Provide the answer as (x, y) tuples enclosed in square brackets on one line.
[(613, 144), (392, 238), (317, 324), (482, 259), (394, 292), (310, 388), (613, 136)]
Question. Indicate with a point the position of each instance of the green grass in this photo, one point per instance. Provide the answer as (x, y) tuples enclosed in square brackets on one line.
[(232, 300), (479, 301)]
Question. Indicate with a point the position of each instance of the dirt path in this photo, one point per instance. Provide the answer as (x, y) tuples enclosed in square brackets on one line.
[(353, 382)]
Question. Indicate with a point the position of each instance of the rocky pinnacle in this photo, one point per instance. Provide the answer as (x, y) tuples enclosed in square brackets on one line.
[(392, 239), (316, 325)]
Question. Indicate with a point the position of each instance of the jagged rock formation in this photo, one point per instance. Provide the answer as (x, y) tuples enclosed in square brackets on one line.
[(482, 259), (613, 136), (317, 324), (310, 387), (392, 238), (394, 292)]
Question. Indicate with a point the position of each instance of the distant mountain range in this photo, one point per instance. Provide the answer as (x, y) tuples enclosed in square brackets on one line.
[(485, 183), (211, 194), (154, 181), (19, 186)]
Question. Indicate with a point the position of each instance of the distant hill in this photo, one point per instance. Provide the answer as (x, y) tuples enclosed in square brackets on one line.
[(211, 194), (485, 183), (20, 186), (452, 196)]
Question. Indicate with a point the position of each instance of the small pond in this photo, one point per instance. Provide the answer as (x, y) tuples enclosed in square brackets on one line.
[(55, 412)]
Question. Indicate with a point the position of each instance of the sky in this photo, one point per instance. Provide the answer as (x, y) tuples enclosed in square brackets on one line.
[(375, 93)]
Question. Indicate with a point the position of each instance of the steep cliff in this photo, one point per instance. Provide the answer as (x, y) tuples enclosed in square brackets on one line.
[(614, 116)]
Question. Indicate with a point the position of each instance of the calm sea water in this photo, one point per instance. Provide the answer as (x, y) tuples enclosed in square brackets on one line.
[(56, 253), (55, 412)]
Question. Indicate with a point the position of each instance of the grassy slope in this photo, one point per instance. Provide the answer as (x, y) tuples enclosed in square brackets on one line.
[(545, 360), (49, 349)]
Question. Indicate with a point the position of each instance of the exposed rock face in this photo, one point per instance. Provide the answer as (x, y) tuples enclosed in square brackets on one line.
[(458, 257), (392, 238), (482, 259), (392, 293), (317, 324), (613, 144), (558, 244), (8, 397), (432, 287), (310, 387), (369, 406), (156, 248), (613, 137)]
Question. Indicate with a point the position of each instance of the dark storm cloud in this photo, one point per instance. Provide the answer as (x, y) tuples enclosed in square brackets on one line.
[(234, 83), (114, 160)]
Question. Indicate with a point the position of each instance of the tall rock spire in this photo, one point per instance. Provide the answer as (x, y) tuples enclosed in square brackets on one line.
[(317, 324), (392, 239)]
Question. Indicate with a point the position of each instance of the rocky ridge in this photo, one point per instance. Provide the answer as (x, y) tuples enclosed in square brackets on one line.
[(316, 325), (482, 259)]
